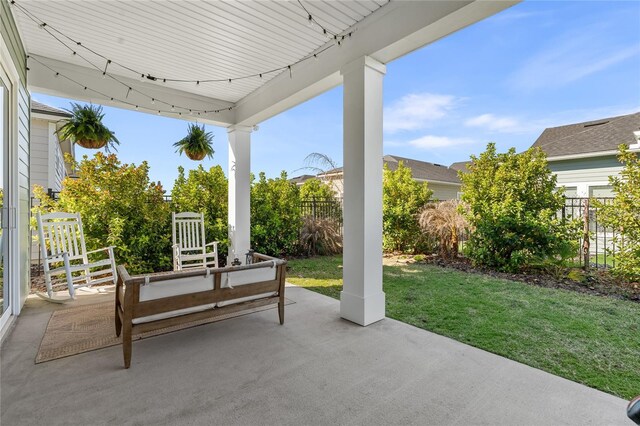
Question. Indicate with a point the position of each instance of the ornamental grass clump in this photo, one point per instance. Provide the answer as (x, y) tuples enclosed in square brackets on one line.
[(444, 222), (320, 236)]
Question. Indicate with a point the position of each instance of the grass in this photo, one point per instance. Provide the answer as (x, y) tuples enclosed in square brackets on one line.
[(588, 339)]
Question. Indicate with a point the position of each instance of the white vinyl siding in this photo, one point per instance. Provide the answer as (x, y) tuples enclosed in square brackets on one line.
[(586, 170), (24, 193), (47, 165), (39, 153), (442, 192)]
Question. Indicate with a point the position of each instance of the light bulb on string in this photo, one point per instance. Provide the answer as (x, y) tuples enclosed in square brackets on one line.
[(153, 101), (310, 21)]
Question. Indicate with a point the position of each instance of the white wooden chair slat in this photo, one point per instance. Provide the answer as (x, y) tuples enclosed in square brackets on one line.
[(62, 241), (189, 242)]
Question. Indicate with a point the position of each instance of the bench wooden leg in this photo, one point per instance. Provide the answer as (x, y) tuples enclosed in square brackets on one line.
[(126, 345), (118, 321), (281, 310)]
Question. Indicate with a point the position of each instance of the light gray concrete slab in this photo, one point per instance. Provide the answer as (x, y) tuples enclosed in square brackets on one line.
[(315, 369)]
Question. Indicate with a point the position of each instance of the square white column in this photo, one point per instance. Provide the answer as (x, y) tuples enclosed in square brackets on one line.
[(362, 300), (239, 191)]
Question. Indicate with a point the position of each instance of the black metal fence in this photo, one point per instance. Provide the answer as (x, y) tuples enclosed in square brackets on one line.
[(598, 243), (322, 208)]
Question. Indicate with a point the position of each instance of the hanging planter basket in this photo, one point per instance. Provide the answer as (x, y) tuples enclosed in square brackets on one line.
[(196, 156), (91, 143), (85, 128), (197, 144)]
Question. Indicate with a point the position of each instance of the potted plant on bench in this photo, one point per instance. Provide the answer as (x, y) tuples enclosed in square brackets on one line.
[(85, 128), (197, 143)]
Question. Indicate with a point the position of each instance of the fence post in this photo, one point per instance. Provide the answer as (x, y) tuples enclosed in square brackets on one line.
[(585, 233)]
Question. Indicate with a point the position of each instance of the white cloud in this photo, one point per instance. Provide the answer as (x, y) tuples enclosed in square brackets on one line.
[(568, 60), (495, 123), (417, 111), (431, 142)]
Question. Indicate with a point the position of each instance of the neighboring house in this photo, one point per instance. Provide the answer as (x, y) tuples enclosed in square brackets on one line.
[(583, 155), (442, 180), (300, 180), (48, 167)]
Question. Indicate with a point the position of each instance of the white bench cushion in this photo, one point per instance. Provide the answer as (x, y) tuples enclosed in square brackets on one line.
[(247, 276), (175, 287)]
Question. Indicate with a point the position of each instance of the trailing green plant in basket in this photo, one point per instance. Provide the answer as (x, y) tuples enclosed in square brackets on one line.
[(197, 144), (85, 128)]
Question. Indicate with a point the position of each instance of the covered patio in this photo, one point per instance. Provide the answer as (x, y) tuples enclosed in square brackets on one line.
[(236, 64), (321, 366), (315, 369)]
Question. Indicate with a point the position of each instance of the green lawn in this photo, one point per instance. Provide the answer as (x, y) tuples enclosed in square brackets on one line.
[(588, 339)]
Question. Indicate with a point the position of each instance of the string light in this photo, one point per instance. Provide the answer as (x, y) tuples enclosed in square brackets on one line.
[(143, 76), (114, 99)]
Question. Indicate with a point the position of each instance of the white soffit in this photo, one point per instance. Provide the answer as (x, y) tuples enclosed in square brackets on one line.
[(192, 40), (195, 40)]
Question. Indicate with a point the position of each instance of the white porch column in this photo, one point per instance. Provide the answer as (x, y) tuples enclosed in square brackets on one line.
[(362, 300), (239, 191)]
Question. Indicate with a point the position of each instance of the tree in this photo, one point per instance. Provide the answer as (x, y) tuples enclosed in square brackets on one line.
[(403, 198), (623, 215), (119, 206), (205, 192), (315, 189), (513, 209), (275, 215)]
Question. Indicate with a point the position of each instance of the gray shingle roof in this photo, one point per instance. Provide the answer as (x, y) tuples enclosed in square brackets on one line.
[(589, 137), (419, 169), (299, 180), (49, 110), (460, 166), (423, 169)]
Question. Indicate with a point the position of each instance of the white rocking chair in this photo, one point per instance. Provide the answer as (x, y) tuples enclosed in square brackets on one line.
[(189, 244), (65, 256)]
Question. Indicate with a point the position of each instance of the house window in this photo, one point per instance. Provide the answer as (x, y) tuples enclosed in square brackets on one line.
[(601, 191), (570, 191)]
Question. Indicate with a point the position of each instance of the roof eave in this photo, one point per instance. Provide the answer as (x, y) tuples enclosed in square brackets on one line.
[(633, 148)]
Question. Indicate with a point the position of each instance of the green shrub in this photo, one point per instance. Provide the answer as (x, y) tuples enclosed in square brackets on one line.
[(275, 216), (403, 198), (205, 192), (513, 211), (315, 189), (623, 214), (119, 206)]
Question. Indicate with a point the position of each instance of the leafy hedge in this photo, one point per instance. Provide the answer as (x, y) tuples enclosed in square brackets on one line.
[(402, 200), (119, 206), (206, 192), (513, 209), (624, 216)]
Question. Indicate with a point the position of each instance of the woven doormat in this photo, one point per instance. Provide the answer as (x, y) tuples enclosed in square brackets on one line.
[(90, 327)]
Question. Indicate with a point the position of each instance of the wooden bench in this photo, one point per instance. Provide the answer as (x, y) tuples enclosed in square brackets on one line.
[(150, 302)]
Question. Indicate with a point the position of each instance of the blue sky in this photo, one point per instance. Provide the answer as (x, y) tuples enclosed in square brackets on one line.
[(535, 65)]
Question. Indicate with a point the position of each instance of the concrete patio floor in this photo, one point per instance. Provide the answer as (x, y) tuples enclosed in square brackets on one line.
[(315, 369)]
